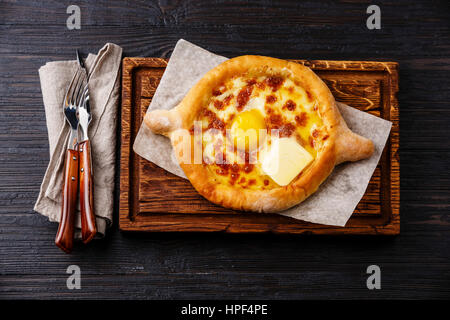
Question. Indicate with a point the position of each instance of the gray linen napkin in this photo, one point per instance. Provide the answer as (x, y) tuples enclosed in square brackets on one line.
[(104, 93)]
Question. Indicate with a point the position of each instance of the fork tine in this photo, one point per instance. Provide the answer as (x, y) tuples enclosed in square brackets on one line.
[(84, 94), (69, 91), (80, 89), (78, 83)]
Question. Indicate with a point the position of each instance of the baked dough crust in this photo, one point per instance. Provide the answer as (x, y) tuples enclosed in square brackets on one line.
[(341, 145)]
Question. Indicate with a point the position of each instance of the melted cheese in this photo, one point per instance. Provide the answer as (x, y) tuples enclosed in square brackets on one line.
[(288, 108)]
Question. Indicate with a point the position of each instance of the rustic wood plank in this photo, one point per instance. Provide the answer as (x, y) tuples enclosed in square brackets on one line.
[(155, 200), (415, 265)]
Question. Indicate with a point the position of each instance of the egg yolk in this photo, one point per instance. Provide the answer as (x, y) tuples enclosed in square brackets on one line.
[(248, 130)]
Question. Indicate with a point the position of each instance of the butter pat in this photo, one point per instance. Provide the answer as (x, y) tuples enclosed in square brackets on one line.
[(284, 160)]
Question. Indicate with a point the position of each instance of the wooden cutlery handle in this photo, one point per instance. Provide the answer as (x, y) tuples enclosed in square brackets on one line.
[(88, 226), (64, 236)]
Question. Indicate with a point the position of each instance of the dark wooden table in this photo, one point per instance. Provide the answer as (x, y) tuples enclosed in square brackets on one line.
[(415, 264)]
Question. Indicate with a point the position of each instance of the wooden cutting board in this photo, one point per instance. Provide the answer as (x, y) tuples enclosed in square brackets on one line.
[(152, 199)]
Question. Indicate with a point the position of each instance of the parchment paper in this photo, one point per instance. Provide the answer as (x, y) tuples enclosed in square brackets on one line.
[(337, 197)]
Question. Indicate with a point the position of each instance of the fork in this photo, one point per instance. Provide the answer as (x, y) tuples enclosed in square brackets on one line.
[(72, 100)]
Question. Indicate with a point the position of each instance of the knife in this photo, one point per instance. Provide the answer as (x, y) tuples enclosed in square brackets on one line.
[(88, 225)]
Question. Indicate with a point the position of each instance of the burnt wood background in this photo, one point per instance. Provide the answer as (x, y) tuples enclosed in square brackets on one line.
[(415, 264)]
